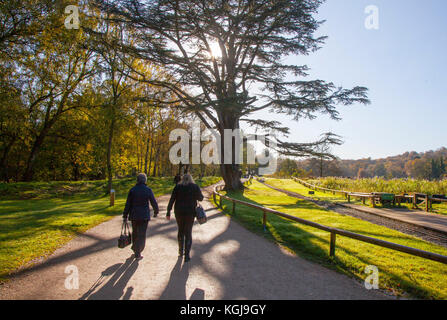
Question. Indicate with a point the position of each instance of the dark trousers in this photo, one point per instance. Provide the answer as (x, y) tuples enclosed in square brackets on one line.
[(139, 228), (184, 235)]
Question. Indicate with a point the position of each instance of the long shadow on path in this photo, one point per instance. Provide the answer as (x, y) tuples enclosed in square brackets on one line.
[(114, 288), (176, 287)]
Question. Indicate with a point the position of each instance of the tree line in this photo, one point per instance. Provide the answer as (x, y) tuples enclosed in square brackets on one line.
[(430, 165), (69, 102), (98, 101)]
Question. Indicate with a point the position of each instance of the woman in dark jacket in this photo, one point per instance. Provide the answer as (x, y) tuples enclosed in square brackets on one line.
[(185, 195), (137, 210)]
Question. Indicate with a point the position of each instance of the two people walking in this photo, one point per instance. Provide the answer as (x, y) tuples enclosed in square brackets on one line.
[(184, 199)]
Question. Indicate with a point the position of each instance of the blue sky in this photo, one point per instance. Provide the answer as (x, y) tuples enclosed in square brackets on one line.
[(404, 66)]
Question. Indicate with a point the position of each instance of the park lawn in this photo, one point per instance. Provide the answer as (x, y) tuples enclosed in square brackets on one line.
[(291, 185), (399, 272), (34, 228)]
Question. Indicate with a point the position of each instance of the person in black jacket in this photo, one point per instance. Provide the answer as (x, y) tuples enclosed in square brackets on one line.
[(177, 178), (137, 210), (185, 196)]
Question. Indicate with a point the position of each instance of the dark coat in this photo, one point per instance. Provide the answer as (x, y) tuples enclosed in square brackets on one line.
[(137, 204), (185, 198)]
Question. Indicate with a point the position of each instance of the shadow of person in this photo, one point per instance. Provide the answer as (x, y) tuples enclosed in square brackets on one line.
[(176, 287), (128, 293), (198, 294), (114, 288), (107, 272)]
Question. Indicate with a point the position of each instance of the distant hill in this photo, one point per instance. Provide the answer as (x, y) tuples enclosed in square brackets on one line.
[(420, 165)]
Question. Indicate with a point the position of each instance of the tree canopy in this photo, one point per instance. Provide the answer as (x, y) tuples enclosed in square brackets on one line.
[(110, 92), (218, 51)]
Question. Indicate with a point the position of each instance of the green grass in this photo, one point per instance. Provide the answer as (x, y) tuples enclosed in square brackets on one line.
[(290, 185), (53, 213), (399, 272), (396, 186)]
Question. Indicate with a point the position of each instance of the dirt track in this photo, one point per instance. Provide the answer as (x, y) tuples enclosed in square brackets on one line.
[(228, 262)]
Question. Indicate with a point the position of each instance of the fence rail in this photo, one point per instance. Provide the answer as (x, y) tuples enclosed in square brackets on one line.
[(427, 200), (333, 231)]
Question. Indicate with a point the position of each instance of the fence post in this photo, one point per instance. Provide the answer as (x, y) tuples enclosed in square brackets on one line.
[(332, 247), (427, 203), (415, 201), (264, 221), (112, 197), (234, 207), (220, 202), (349, 198)]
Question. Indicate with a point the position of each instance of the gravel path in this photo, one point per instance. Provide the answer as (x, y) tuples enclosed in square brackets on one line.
[(228, 262)]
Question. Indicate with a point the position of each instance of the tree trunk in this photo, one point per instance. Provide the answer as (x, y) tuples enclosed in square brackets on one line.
[(156, 161), (109, 155), (154, 172), (76, 171), (3, 163), (202, 170), (146, 156), (29, 171), (150, 156), (231, 177), (230, 172), (139, 154)]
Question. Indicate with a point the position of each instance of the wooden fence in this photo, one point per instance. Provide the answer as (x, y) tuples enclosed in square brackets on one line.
[(333, 231), (427, 200)]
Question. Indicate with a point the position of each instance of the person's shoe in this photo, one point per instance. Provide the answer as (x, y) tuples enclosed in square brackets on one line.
[(187, 258)]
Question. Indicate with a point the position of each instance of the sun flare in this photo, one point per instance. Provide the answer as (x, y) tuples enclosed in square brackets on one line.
[(215, 50)]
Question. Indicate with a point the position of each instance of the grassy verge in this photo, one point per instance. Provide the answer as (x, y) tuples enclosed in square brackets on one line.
[(36, 218), (396, 186), (399, 272), (290, 185)]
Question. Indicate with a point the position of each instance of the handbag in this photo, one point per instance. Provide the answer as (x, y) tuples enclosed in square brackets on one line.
[(200, 214), (125, 239)]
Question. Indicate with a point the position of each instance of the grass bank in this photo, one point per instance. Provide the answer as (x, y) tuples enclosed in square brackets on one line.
[(37, 218), (399, 272), (293, 186), (396, 186)]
